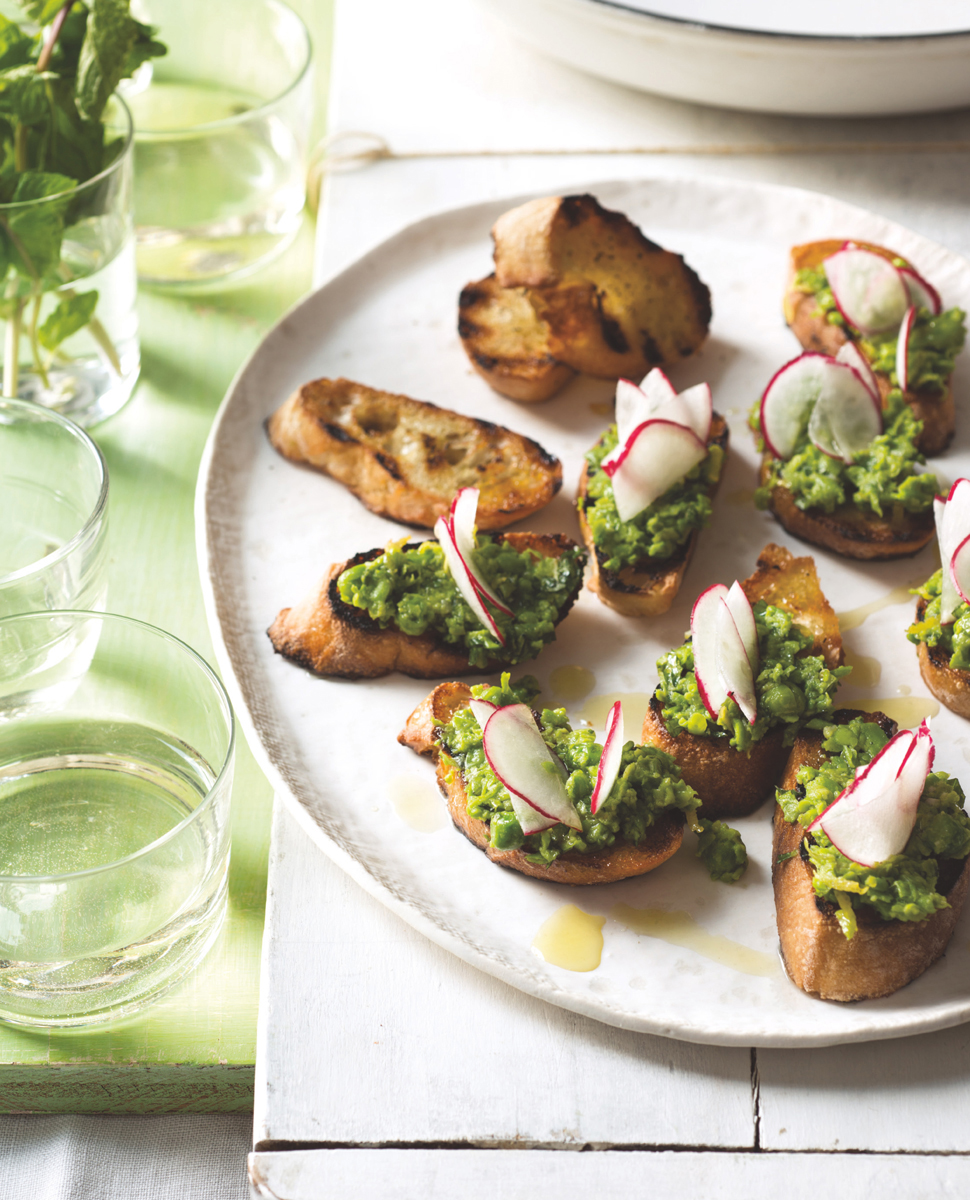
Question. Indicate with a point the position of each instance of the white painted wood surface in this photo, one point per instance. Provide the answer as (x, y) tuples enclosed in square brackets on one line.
[(368, 1034), (549, 1175)]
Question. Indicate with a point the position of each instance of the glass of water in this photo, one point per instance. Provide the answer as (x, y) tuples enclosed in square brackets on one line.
[(53, 512), (220, 139), (116, 756), (70, 329)]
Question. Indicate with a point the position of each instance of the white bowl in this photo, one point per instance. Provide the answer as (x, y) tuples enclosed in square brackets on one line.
[(913, 61)]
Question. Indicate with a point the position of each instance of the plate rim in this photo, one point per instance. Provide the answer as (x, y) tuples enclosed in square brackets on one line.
[(597, 1007)]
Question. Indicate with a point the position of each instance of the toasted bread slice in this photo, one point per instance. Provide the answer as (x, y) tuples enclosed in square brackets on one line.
[(508, 345), (615, 303), (332, 638), (950, 685), (936, 410), (620, 861), (648, 588), (849, 531), (405, 459), (883, 956), (731, 783)]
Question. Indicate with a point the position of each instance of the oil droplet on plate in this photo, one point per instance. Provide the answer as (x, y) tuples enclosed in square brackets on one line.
[(635, 705), (740, 496), (602, 408), (906, 711), (855, 616), (866, 671), (417, 803), (680, 929), (572, 683), (571, 939)]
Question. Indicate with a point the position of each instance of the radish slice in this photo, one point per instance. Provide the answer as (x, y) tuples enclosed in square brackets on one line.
[(873, 818), (733, 664), (656, 456), (960, 569), (657, 388), (481, 711), (921, 293), (632, 409), (699, 405), (952, 526), (846, 416), (464, 510), (868, 290), (464, 579), (521, 759), (703, 632), (902, 347), (788, 399), (852, 356), (609, 767), (743, 616)]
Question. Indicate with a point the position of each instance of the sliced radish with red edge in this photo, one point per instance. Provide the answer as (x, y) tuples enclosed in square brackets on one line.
[(481, 711), (952, 526), (850, 354), (846, 416), (743, 615), (464, 510), (921, 293), (703, 632), (524, 765), (733, 664), (903, 347), (657, 455), (960, 569), (787, 402), (868, 290), (609, 765), (461, 573)]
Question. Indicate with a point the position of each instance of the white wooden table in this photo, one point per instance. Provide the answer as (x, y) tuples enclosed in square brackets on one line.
[(386, 1067)]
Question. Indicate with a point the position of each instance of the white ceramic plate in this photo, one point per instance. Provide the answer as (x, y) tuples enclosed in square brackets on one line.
[(866, 58), (267, 531)]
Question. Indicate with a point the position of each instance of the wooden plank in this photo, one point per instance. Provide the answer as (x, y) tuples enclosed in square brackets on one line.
[(538, 1175), (126, 1088), (901, 1095), (369, 1033)]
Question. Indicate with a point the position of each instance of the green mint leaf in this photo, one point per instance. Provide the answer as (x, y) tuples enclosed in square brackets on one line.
[(23, 94), (110, 35), (41, 11), (15, 45), (36, 233), (76, 144), (70, 315), (145, 47)]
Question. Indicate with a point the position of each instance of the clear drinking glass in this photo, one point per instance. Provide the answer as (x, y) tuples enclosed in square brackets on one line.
[(116, 755), (70, 327), (220, 139), (53, 512)]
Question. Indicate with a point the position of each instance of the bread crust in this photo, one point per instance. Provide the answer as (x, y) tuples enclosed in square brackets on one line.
[(621, 861), (937, 411), (405, 458), (331, 638), (507, 343), (847, 530), (578, 288), (883, 956), (950, 685), (730, 783), (650, 587)]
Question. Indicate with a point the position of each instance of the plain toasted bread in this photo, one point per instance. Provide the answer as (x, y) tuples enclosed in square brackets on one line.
[(950, 685), (620, 861), (406, 459), (731, 783), (936, 410), (883, 956), (332, 638), (605, 300), (649, 587), (849, 531), (508, 345)]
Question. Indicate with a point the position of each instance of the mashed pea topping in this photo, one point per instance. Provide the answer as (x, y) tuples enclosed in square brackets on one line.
[(903, 888), (882, 480), (953, 638), (663, 527), (649, 784), (792, 687), (934, 342), (411, 588)]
